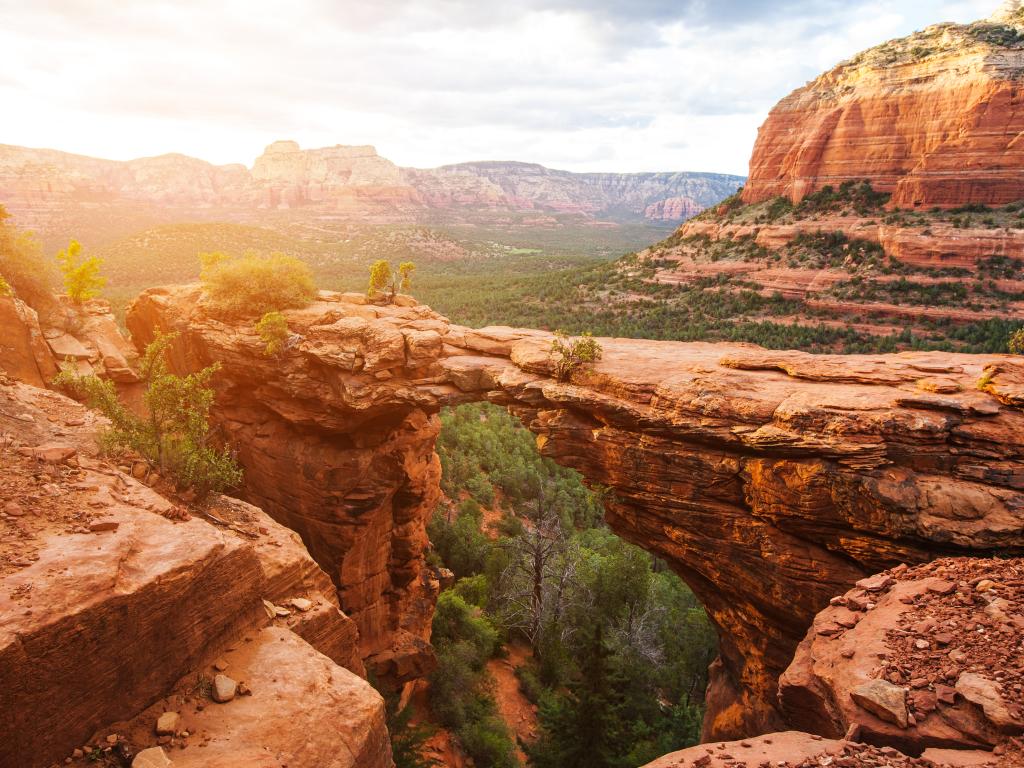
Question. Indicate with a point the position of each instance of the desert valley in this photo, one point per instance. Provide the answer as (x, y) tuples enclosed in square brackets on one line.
[(331, 462)]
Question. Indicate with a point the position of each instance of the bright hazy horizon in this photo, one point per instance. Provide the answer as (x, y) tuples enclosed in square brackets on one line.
[(613, 85)]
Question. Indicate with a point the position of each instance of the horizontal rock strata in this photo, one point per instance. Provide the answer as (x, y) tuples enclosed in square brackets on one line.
[(933, 118)]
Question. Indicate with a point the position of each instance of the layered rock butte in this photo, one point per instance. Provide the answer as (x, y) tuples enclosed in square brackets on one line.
[(933, 118), (770, 481), (933, 122)]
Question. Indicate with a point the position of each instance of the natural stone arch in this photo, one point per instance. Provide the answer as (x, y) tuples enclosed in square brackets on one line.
[(770, 481)]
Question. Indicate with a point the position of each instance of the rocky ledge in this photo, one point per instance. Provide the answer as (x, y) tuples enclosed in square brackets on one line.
[(115, 596), (912, 667), (793, 749), (85, 336), (770, 481), (918, 658)]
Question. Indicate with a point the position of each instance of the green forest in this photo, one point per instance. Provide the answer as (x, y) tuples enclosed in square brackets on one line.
[(620, 646)]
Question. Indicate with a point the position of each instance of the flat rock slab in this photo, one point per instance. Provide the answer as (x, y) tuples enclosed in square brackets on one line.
[(154, 757), (304, 710)]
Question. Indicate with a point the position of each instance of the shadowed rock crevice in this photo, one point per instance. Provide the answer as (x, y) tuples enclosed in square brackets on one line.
[(770, 481)]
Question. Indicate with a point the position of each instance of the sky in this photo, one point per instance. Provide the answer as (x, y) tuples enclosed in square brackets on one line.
[(602, 85)]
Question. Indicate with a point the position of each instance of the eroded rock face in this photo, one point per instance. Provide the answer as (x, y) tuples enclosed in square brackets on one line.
[(111, 593), (83, 336), (770, 481), (933, 118)]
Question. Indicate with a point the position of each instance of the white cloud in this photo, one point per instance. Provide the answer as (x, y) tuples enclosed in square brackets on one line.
[(612, 85)]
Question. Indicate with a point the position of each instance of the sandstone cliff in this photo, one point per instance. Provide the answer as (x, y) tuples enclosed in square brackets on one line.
[(85, 336), (933, 118), (119, 602), (885, 198), (770, 481)]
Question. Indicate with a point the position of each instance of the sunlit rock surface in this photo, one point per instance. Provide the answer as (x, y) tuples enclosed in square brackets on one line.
[(770, 481)]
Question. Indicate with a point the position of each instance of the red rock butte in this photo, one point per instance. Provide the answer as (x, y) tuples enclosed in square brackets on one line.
[(935, 119)]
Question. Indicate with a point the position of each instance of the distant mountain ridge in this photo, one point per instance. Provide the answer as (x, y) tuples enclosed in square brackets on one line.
[(350, 179)]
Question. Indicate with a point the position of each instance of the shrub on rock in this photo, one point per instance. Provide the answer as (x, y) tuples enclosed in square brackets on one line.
[(255, 285), (174, 436)]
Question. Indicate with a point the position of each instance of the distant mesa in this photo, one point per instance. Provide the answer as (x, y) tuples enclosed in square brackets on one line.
[(346, 180)]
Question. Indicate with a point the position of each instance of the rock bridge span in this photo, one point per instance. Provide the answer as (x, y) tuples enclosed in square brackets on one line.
[(769, 481)]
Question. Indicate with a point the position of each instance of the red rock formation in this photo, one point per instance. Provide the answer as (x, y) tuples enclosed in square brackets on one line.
[(85, 336), (353, 180), (915, 659), (23, 350), (933, 118), (935, 246), (677, 208), (770, 481), (111, 594)]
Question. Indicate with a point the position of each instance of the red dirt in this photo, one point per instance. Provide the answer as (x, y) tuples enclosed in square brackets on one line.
[(514, 707)]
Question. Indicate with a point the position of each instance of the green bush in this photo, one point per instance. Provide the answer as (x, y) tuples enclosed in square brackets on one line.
[(573, 353), (1016, 344), (460, 543), (273, 330), (456, 620), (489, 742), (474, 590), (5, 287), (174, 436), (255, 285), (778, 207)]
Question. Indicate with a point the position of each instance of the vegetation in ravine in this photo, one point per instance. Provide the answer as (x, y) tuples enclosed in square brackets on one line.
[(620, 646), (174, 436)]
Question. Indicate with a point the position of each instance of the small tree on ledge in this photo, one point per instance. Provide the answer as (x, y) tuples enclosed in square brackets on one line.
[(1017, 342), (82, 278), (573, 353), (389, 282), (273, 331)]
